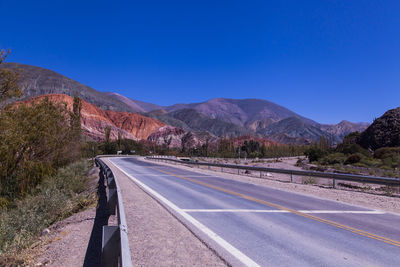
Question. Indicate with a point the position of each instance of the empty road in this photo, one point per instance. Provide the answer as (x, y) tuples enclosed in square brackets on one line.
[(259, 226)]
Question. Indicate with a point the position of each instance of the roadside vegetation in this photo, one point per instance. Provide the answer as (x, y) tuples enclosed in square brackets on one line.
[(224, 148), (57, 197), (43, 176), (352, 158)]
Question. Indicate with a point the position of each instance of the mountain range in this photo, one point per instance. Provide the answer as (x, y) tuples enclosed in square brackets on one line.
[(213, 118)]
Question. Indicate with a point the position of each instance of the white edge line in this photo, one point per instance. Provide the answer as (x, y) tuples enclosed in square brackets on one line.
[(219, 240)]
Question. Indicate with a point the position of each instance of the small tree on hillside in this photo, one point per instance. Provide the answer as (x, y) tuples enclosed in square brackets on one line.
[(8, 80)]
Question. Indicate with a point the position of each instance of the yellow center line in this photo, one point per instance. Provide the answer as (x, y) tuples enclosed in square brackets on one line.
[(338, 225)]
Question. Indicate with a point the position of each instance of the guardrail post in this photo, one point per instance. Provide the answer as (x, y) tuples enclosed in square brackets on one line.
[(112, 200), (110, 246), (291, 177), (260, 174), (334, 183)]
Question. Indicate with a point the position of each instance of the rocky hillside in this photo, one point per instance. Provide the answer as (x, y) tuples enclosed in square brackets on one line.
[(95, 120), (218, 116), (343, 128), (171, 137), (36, 81), (295, 128), (383, 132), (200, 122), (259, 118), (135, 105), (239, 111)]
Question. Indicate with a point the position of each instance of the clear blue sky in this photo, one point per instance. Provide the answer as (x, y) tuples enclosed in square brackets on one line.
[(326, 60)]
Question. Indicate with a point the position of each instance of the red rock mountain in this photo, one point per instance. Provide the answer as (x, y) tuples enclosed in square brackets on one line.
[(95, 120), (176, 137)]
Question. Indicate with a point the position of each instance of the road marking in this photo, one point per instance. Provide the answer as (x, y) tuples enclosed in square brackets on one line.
[(286, 211), (219, 240), (273, 205), (235, 210), (343, 211), (166, 175)]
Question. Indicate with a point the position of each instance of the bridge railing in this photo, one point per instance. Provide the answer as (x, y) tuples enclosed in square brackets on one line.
[(334, 176), (115, 243)]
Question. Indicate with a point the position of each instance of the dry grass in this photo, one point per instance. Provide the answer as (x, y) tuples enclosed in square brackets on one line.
[(56, 198)]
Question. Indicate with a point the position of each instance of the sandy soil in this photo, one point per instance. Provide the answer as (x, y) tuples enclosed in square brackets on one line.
[(280, 181)]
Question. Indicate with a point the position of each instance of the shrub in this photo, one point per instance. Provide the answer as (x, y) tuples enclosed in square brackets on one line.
[(386, 152), (314, 153), (56, 198), (370, 162), (335, 158), (354, 158), (308, 180), (387, 162), (38, 139), (349, 149), (299, 163)]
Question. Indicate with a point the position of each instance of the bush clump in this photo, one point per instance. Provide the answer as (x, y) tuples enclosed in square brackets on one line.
[(353, 158), (55, 198), (315, 153), (335, 158)]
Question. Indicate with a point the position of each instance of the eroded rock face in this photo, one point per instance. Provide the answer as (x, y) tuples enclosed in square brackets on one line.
[(95, 120), (174, 137), (167, 135), (343, 128), (383, 132)]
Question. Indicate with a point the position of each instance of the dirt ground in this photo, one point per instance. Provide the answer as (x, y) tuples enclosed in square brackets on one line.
[(290, 164)]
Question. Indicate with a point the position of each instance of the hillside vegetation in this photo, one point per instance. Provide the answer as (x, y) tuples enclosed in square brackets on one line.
[(42, 176), (376, 151)]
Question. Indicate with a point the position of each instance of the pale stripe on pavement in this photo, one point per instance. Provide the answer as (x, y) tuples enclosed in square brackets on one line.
[(286, 211)]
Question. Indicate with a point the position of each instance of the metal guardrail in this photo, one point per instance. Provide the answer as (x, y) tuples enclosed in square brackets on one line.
[(115, 243), (334, 176)]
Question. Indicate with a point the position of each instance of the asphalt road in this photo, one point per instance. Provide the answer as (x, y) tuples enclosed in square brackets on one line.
[(255, 225)]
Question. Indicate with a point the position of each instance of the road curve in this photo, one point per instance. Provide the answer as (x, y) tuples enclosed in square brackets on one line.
[(255, 225)]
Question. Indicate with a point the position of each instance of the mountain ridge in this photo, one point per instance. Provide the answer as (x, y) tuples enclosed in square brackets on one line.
[(219, 116)]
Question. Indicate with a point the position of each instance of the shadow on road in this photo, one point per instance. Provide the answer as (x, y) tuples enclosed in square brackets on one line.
[(93, 251)]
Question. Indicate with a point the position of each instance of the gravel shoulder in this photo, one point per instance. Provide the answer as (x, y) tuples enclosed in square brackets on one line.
[(66, 243), (377, 202), (156, 237)]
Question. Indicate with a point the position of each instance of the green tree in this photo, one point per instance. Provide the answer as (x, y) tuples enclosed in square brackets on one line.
[(34, 141), (8, 80), (263, 150), (315, 153), (75, 117)]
